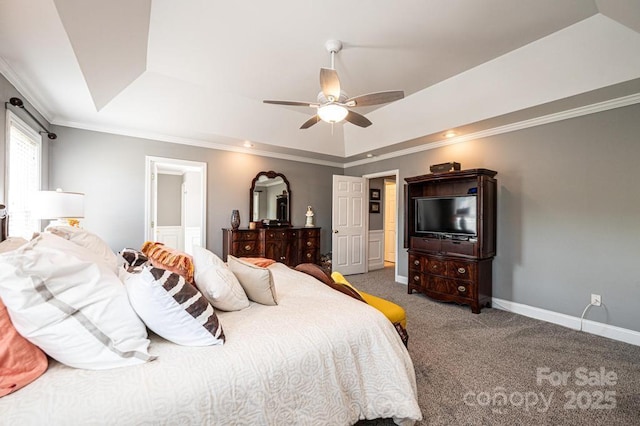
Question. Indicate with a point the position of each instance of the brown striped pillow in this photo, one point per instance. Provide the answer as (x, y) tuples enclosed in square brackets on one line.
[(172, 308)]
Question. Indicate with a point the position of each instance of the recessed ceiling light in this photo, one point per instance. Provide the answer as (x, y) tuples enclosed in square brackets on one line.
[(450, 134), (248, 144), (369, 155)]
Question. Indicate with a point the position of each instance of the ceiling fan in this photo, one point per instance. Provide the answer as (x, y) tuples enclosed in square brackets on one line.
[(332, 102)]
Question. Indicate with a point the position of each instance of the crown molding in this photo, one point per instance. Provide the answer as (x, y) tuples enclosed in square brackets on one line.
[(24, 89), (520, 125), (194, 142)]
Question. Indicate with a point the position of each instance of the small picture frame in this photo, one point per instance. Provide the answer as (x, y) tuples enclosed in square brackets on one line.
[(374, 194), (374, 207)]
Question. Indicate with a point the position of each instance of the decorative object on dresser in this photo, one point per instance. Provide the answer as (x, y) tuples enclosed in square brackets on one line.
[(444, 167), (235, 219), (291, 246), (309, 215), (450, 231)]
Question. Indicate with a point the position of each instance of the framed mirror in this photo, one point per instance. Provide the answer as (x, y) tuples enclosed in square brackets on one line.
[(270, 199)]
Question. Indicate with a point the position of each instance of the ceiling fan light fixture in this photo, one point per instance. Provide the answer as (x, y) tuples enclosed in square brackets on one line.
[(332, 113)]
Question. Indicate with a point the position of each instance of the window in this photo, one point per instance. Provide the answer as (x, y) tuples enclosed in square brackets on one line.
[(24, 147)]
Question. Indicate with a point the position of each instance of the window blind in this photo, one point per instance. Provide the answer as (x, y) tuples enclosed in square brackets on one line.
[(23, 177)]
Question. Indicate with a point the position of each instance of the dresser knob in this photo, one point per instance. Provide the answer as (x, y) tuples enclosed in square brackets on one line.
[(282, 258), (416, 262), (461, 270), (416, 278), (308, 243), (247, 247), (309, 255), (462, 288)]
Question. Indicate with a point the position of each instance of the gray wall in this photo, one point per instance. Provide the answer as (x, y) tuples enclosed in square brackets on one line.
[(568, 211), (376, 220), (109, 169), (169, 201)]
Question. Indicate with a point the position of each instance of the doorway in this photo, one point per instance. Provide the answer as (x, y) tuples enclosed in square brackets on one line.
[(386, 230), (175, 202)]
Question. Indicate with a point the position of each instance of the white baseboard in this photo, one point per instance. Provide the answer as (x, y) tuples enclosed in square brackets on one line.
[(402, 279), (593, 327)]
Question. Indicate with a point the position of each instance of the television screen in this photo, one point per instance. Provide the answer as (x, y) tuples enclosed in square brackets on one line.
[(446, 215)]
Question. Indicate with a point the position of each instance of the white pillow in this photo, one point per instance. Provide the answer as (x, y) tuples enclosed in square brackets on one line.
[(173, 308), (76, 310), (88, 240), (12, 243), (216, 281), (256, 281)]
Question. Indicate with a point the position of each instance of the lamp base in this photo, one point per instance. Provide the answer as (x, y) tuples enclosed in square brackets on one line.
[(65, 222)]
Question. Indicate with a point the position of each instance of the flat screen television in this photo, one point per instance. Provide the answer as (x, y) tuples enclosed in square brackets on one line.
[(454, 215)]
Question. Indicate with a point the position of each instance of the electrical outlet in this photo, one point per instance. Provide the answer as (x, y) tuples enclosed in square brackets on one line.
[(596, 300)]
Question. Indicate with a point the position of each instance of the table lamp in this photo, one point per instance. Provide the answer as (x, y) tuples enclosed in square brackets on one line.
[(66, 207)]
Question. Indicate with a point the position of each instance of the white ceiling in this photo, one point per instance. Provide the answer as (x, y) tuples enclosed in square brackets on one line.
[(197, 72)]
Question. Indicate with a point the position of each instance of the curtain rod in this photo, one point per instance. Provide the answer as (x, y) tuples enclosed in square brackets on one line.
[(17, 102)]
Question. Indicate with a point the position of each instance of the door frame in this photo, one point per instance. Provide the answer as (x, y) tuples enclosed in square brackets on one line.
[(151, 165), (396, 173)]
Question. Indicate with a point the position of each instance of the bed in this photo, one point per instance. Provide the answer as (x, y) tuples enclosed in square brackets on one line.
[(317, 357)]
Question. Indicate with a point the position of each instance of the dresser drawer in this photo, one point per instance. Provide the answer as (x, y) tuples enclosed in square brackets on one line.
[(458, 288), (308, 256), (426, 244), (467, 248), (245, 236), (246, 248), (415, 263), (309, 233), (434, 266), (309, 244), (276, 235), (461, 269)]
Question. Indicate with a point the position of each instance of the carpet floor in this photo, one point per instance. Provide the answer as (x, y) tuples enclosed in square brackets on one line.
[(500, 368)]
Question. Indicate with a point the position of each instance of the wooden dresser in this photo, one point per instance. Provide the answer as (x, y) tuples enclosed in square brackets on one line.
[(291, 246)]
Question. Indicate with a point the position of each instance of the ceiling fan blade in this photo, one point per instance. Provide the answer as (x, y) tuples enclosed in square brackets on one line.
[(292, 103), (358, 119), (375, 98), (310, 122), (330, 83)]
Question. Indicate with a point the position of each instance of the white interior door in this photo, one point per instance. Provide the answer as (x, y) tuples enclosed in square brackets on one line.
[(390, 210), (349, 223), (152, 231)]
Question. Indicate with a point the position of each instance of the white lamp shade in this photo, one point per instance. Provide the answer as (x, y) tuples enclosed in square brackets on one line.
[(332, 113), (58, 205)]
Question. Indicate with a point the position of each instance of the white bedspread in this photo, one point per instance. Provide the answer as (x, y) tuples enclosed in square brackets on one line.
[(318, 357)]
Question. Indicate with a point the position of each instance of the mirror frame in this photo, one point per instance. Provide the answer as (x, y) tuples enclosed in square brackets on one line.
[(270, 175)]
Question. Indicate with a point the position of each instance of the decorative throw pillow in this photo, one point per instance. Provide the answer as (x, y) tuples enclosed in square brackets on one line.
[(262, 262), (73, 308), (257, 282), (11, 243), (21, 362), (170, 259), (317, 272), (134, 259), (172, 308), (88, 240), (216, 281)]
